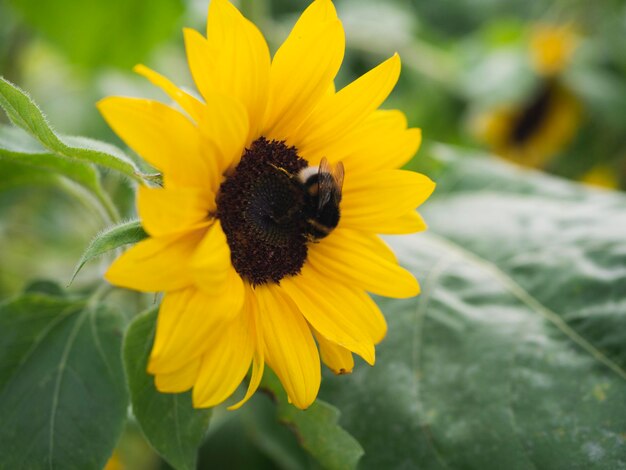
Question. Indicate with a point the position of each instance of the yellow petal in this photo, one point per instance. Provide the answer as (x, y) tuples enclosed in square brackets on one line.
[(179, 381), (258, 367), (362, 260), (239, 64), (290, 349), (258, 359), (163, 137), (224, 121), (337, 358), (156, 264), (320, 11), (187, 319), (381, 142), (376, 146), (198, 58), (189, 103), (303, 69), (371, 316), (211, 268), (225, 363), (333, 310), (370, 201), (408, 223), (344, 111), (169, 211)]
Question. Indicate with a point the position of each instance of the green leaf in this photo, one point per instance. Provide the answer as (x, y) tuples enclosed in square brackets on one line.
[(110, 239), (79, 29), (230, 446), (45, 287), (24, 113), (168, 420), (317, 429), (62, 392), (16, 146), (274, 439), (15, 174), (514, 355)]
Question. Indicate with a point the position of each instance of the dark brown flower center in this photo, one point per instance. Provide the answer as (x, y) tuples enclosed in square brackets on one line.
[(262, 210)]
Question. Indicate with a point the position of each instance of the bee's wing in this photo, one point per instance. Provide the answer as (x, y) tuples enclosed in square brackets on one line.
[(338, 172), (325, 166), (324, 183), (330, 182)]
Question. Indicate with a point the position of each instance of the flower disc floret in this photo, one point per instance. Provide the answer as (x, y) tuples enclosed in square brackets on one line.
[(262, 213)]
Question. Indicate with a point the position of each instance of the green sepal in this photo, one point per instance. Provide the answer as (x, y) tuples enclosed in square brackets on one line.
[(110, 239)]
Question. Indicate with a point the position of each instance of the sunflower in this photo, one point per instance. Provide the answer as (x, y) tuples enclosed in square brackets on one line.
[(533, 131), (263, 237)]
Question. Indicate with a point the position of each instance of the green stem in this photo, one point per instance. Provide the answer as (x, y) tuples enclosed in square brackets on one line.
[(94, 299), (90, 200), (108, 206)]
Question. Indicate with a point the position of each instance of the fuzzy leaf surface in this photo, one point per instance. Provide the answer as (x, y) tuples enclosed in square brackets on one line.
[(24, 113), (110, 239)]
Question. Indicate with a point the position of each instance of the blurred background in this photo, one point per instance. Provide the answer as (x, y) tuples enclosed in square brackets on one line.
[(539, 83)]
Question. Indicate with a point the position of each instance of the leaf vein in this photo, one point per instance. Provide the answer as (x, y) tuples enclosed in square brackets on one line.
[(531, 302), (57, 386), (420, 314)]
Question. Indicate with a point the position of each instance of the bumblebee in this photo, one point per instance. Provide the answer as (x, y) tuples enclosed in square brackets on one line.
[(322, 186), (319, 195)]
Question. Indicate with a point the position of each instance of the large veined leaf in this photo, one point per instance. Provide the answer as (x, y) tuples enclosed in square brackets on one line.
[(514, 355), (62, 392)]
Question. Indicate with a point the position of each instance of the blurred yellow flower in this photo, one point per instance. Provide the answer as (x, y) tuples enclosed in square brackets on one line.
[(552, 47), (533, 132), (602, 176), (114, 463), (261, 247)]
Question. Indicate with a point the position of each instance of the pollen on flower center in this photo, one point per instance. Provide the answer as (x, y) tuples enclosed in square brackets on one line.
[(261, 209)]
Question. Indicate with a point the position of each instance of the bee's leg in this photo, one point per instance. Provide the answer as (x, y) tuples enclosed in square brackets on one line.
[(282, 170)]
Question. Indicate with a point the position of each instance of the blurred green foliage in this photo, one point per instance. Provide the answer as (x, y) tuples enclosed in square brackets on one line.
[(95, 33), (458, 57)]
